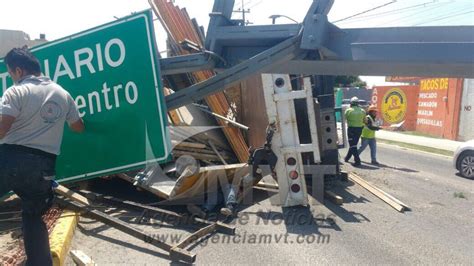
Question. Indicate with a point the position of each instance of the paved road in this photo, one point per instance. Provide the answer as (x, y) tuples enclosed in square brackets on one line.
[(442, 144), (438, 230)]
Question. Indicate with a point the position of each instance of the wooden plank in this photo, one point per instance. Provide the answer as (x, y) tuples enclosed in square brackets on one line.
[(224, 228), (218, 104), (197, 235), (176, 254), (173, 114), (161, 190), (228, 120), (193, 131), (131, 205), (333, 197), (266, 185), (224, 154), (377, 192), (153, 211), (254, 115), (184, 149), (199, 156), (189, 144), (217, 152), (194, 186), (201, 151), (234, 96), (81, 259), (393, 198), (65, 192)]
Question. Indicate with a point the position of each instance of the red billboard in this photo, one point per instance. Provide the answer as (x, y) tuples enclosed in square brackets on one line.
[(438, 107)]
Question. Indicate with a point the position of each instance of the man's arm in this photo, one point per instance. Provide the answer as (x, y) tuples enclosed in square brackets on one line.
[(6, 122), (77, 126), (73, 118), (371, 126), (10, 106), (346, 113)]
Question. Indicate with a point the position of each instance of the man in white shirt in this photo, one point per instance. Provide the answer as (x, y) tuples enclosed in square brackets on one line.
[(32, 117)]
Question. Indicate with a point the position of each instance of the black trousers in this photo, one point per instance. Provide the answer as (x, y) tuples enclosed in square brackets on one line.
[(353, 134), (28, 172)]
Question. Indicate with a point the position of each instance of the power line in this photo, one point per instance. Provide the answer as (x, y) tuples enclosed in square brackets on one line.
[(391, 12), (412, 15), (434, 15), (366, 11), (256, 4), (241, 5), (445, 17), (446, 21)]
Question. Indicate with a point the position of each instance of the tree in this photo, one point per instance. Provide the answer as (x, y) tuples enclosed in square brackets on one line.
[(350, 81)]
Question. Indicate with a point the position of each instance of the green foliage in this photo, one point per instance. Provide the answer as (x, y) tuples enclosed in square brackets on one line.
[(350, 81)]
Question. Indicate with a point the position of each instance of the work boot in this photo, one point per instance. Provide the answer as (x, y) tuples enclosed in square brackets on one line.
[(228, 210), (356, 164), (375, 163)]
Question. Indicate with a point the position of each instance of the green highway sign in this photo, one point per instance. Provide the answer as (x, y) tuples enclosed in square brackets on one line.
[(112, 72)]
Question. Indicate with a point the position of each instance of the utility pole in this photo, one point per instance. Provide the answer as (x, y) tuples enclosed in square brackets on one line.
[(244, 12)]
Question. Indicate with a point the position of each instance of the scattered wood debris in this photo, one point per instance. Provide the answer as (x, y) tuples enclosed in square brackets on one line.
[(389, 199), (81, 259)]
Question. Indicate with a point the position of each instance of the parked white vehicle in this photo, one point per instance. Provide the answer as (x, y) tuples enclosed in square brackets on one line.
[(464, 159)]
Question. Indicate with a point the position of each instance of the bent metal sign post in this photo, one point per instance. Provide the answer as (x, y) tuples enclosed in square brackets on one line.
[(112, 73)]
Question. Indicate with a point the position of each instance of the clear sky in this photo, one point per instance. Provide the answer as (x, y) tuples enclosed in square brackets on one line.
[(59, 18)]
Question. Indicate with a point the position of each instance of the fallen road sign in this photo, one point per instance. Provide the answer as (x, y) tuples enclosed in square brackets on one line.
[(112, 72)]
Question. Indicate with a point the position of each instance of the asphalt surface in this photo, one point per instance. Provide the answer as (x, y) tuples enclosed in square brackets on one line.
[(439, 229)]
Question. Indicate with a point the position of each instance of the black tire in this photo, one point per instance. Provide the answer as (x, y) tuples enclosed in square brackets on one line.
[(465, 164)]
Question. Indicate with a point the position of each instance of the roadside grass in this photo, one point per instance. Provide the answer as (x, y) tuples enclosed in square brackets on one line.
[(417, 147), (459, 195)]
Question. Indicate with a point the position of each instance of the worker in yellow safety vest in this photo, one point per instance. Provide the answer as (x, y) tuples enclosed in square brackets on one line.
[(368, 134), (355, 123)]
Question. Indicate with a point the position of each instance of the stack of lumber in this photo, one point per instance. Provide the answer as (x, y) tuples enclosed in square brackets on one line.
[(181, 29), (201, 146), (201, 151)]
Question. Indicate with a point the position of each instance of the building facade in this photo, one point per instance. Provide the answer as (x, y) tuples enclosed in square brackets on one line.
[(14, 38), (438, 107)]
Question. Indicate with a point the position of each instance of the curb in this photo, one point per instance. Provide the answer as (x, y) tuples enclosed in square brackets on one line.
[(60, 238)]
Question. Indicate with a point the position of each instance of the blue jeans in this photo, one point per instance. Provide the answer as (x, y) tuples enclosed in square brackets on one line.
[(353, 135), (227, 195), (28, 173), (373, 148)]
